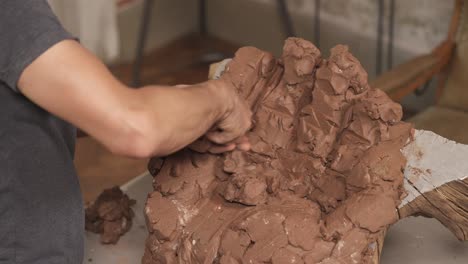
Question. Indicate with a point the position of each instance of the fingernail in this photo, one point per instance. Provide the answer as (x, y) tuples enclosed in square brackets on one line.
[(244, 146)]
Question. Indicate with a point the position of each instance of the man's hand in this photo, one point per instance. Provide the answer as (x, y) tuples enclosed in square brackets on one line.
[(228, 133), (73, 84), (204, 145), (236, 118)]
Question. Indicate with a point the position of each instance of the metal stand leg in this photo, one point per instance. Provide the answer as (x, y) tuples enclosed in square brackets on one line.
[(391, 26), (143, 34), (286, 18), (211, 55), (378, 56), (202, 17), (317, 24)]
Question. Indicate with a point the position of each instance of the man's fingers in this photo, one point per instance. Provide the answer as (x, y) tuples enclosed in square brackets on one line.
[(242, 143), (245, 146), (201, 145), (240, 140), (221, 138), (216, 149), (204, 145)]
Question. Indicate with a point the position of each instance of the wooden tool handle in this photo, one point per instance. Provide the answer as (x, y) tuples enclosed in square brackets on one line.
[(447, 203)]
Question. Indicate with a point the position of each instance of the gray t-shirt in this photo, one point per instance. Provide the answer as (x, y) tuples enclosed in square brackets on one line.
[(41, 210)]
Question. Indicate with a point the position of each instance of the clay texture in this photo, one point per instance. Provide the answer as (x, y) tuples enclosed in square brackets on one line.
[(322, 180), (110, 215)]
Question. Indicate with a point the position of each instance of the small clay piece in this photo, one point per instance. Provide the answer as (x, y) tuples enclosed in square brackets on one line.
[(322, 181), (110, 215)]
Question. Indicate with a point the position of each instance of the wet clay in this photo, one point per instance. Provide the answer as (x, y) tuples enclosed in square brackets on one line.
[(110, 215), (322, 180)]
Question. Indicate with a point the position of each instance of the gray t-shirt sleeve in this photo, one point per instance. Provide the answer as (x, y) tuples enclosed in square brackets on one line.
[(27, 29)]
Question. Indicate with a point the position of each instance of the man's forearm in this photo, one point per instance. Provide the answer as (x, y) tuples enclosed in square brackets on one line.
[(171, 118), (150, 121), (71, 83)]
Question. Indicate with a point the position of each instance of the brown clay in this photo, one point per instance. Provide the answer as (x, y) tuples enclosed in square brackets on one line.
[(322, 181), (110, 215)]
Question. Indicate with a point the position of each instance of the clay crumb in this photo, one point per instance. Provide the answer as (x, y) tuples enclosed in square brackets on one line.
[(110, 215)]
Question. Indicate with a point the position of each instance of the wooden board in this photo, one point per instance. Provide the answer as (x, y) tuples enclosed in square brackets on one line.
[(432, 161)]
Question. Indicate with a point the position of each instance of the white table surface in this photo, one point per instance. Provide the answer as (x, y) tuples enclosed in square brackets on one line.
[(415, 240)]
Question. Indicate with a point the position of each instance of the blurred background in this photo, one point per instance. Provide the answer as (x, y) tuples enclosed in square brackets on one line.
[(174, 42), (181, 36)]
